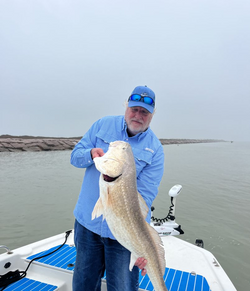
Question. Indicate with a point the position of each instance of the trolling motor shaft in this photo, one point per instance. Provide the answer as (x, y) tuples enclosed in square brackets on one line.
[(173, 193)]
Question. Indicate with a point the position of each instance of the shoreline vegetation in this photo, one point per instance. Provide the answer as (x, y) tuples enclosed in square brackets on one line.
[(25, 143)]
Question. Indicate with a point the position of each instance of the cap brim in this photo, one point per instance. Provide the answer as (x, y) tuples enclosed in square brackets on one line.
[(141, 104)]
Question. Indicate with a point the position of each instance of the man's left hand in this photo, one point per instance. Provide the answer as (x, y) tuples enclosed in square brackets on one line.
[(141, 264)]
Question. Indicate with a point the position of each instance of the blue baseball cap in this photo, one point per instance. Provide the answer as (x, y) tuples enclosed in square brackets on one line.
[(143, 91)]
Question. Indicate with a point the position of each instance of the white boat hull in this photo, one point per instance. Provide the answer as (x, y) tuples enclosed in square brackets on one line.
[(180, 256)]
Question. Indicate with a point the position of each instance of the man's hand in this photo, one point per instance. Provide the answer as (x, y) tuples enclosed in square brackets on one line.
[(96, 152), (141, 264)]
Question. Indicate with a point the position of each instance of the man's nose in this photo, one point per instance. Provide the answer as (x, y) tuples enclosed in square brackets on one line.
[(138, 114)]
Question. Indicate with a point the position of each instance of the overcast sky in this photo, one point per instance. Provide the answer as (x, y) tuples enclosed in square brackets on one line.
[(65, 64)]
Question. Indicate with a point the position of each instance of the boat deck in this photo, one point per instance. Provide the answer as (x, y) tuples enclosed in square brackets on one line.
[(64, 259), (30, 284), (188, 267)]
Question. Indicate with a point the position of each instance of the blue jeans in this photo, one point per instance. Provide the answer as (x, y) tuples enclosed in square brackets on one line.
[(94, 254)]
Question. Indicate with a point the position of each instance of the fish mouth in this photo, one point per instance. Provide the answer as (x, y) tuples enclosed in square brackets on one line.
[(107, 178)]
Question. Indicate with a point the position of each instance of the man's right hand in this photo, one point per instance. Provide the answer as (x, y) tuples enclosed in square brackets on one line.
[(96, 152)]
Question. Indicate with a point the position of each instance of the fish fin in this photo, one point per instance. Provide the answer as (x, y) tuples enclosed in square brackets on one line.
[(133, 259), (98, 209), (159, 246), (143, 206)]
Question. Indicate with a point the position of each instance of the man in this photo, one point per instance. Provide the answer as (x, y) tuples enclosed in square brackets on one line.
[(97, 249)]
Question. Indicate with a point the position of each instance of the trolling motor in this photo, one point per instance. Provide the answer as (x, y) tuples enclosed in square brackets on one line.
[(168, 226)]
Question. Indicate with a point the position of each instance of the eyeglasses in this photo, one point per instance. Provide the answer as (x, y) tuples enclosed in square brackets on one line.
[(145, 99)]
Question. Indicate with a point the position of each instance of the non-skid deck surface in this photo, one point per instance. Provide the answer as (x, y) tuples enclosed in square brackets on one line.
[(64, 258), (175, 280), (26, 284)]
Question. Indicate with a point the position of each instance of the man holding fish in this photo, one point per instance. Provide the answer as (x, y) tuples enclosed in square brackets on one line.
[(97, 248)]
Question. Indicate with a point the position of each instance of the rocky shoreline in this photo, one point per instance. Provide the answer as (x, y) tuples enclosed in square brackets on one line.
[(36, 144)]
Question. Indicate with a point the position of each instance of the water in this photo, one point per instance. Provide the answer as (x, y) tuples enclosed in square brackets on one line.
[(38, 192)]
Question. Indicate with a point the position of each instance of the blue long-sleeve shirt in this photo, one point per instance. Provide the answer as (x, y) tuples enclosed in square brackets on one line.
[(149, 160)]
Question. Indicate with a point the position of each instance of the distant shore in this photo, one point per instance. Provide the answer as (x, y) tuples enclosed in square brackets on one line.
[(25, 143)]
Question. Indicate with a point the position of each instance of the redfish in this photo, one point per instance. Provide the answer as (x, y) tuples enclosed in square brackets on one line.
[(125, 211)]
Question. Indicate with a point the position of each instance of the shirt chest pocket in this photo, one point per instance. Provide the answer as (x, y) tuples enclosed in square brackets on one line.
[(103, 139), (143, 159)]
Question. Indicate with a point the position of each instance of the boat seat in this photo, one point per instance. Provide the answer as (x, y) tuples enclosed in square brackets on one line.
[(64, 259)]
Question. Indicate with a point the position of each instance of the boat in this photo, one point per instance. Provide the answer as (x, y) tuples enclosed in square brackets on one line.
[(48, 264)]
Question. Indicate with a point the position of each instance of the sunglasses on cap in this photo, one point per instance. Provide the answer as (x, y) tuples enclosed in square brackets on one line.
[(145, 99)]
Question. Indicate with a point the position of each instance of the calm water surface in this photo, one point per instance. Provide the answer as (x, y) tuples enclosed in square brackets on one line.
[(38, 192)]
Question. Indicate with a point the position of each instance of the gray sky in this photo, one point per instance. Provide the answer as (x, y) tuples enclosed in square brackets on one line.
[(64, 64)]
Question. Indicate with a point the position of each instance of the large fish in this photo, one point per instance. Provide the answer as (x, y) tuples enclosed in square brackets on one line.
[(125, 211)]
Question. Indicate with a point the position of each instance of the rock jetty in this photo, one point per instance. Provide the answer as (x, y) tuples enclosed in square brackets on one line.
[(36, 144), (187, 141)]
